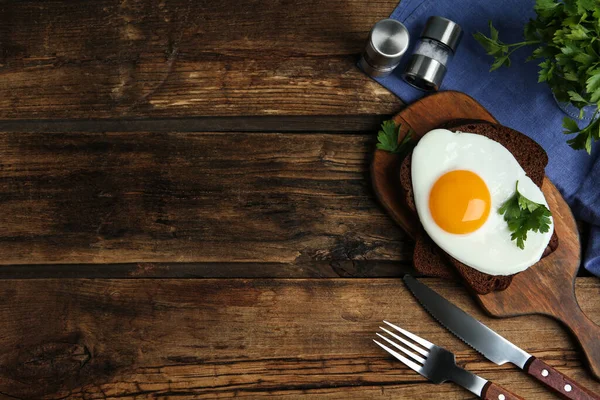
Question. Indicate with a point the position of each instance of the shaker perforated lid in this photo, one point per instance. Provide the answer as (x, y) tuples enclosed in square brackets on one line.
[(443, 30), (388, 41)]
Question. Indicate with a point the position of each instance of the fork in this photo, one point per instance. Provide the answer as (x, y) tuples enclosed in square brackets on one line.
[(439, 365)]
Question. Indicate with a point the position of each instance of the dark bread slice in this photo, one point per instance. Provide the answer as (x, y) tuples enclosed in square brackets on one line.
[(428, 258), (476, 276)]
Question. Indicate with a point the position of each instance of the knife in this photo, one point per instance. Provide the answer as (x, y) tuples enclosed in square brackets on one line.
[(493, 346)]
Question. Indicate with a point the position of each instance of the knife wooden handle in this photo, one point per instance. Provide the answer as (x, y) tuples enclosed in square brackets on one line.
[(561, 384), (491, 391)]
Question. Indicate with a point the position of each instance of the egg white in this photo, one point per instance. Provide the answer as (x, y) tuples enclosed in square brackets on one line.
[(489, 249)]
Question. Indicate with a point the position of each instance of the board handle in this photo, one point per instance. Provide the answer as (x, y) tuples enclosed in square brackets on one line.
[(586, 332), (560, 383), (491, 391)]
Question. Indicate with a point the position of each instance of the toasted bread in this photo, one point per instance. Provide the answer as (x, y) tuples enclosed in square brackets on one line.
[(428, 258)]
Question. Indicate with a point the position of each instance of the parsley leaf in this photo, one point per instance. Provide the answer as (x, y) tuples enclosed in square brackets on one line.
[(593, 85), (575, 97), (523, 215), (584, 137), (544, 5), (570, 125), (493, 32), (388, 139), (583, 5)]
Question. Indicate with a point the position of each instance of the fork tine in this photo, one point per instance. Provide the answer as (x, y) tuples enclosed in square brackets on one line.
[(406, 342), (410, 364), (421, 341), (402, 349)]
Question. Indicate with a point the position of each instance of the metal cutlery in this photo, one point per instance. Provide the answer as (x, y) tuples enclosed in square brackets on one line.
[(493, 346), (438, 364)]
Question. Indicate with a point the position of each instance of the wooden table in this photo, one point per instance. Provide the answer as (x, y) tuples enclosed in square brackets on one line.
[(187, 212)]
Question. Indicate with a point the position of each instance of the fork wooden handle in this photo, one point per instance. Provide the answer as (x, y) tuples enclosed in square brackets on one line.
[(491, 391), (561, 384)]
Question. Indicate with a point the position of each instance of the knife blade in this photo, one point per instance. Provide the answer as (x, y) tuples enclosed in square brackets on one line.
[(493, 346)]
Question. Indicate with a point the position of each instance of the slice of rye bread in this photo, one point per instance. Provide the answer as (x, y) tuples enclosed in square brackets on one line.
[(428, 258)]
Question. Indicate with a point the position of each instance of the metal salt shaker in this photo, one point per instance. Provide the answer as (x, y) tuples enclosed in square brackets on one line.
[(388, 41), (434, 51)]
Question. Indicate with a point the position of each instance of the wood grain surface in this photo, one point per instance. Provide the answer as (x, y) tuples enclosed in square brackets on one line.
[(111, 167), (300, 203), (178, 58), (138, 339)]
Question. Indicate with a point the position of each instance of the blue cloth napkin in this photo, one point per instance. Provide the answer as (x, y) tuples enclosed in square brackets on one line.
[(511, 94)]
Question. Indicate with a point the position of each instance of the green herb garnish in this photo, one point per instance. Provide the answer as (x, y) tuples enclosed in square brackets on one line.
[(567, 33), (388, 139), (523, 215)]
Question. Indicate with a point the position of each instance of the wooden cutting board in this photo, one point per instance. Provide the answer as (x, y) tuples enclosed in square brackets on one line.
[(547, 287)]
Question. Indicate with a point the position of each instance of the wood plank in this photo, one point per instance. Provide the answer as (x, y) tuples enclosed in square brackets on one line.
[(348, 268), (302, 201), (261, 124), (177, 58), (113, 339)]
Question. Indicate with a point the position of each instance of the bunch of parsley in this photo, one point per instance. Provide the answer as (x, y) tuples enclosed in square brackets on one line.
[(567, 33)]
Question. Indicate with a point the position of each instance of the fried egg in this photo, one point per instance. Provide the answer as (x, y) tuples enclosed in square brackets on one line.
[(460, 180)]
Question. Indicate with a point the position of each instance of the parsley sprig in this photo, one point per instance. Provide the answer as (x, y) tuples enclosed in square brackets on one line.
[(523, 215), (388, 139), (567, 33)]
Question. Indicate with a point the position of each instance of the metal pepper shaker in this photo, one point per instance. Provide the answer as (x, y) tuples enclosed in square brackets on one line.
[(387, 43), (433, 53)]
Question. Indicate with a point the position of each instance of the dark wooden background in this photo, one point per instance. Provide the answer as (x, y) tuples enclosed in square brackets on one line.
[(143, 143)]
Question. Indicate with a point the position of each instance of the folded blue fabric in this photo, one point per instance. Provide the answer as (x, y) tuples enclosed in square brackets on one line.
[(511, 94)]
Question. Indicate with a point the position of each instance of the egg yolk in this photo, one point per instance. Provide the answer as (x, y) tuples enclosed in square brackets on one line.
[(459, 202)]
